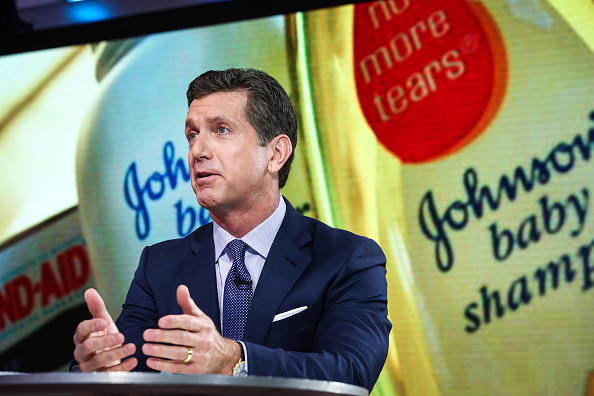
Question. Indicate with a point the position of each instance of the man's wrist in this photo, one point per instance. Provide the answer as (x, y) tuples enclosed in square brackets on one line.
[(231, 357), (240, 368)]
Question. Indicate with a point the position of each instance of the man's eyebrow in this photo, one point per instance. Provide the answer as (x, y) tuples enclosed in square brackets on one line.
[(219, 119)]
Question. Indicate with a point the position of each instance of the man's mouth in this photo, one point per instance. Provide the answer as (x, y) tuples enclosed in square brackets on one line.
[(204, 174)]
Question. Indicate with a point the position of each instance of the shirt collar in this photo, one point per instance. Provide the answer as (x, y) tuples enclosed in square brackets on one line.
[(258, 239)]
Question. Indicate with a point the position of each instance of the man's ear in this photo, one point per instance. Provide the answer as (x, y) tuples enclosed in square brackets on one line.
[(280, 150)]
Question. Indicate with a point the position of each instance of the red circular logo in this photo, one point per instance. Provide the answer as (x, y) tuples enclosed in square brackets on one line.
[(430, 75)]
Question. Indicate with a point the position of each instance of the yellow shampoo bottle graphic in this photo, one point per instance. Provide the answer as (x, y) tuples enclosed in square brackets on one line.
[(457, 134)]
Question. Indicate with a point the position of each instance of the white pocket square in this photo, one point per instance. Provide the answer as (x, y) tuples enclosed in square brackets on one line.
[(285, 315)]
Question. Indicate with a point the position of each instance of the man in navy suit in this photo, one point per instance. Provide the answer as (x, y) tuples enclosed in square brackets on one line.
[(300, 299)]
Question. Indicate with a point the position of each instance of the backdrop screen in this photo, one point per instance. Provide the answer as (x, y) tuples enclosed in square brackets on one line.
[(458, 134)]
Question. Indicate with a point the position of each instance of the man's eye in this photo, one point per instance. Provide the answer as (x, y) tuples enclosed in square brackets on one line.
[(192, 136), (222, 130)]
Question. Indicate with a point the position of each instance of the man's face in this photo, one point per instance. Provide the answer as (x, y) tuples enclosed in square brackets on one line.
[(229, 169)]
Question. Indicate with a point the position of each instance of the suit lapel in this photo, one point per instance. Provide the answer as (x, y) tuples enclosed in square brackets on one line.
[(198, 274), (284, 265)]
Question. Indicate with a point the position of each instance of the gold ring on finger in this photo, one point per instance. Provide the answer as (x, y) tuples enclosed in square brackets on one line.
[(190, 354)]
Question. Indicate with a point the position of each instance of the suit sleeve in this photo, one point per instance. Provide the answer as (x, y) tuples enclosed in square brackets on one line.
[(138, 312), (351, 341)]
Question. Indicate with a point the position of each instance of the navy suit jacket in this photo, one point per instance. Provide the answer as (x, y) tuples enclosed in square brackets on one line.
[(340, 277)]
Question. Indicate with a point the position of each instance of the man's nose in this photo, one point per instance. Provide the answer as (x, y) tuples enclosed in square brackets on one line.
[(201, 147)]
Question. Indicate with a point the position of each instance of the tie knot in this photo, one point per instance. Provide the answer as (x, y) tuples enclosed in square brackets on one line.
[(237, 248)]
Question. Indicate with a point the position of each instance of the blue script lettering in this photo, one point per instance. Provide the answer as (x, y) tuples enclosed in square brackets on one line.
[(136, 193), (561, 159)]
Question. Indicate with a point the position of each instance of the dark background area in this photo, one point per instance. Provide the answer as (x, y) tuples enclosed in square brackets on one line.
[(27, 25)]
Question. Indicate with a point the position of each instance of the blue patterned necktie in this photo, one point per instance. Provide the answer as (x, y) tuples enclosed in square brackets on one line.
[(238, 293)]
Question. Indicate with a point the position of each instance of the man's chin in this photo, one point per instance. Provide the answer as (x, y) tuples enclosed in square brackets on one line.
[(207, 203), (208, 200)]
